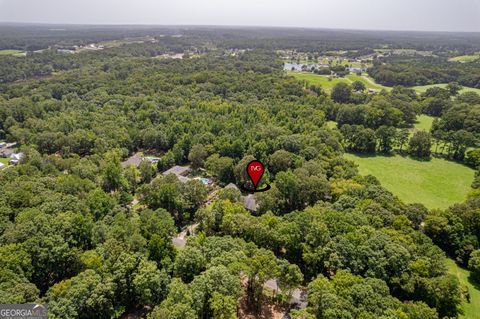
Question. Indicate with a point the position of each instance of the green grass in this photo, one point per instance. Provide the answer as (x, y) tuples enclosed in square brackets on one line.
[(424, 123), (423, 88), (471, 309), (437, 183), (4, 160), (12, 52), (327, 83), (465, 58)]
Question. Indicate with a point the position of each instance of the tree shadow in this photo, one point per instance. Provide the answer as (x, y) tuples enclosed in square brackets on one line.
[(371, 155), (475, 282), (391, 154)]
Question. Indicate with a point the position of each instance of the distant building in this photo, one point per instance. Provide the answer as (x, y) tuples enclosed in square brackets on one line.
[(357, 70), (66, 51), (16, 158), (6, 152), (2, 166), (6, 149)]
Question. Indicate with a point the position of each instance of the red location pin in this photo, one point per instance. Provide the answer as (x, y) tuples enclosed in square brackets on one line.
[(255, 171)]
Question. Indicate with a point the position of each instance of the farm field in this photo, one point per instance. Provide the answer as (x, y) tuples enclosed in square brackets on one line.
[(328, 84), (12, 52), (437, 183), (423, 88), (471, 309)]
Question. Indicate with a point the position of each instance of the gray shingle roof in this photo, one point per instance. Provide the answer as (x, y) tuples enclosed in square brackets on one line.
[(177, 170)]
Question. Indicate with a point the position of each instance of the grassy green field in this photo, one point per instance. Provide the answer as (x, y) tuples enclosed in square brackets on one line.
[(465, 58), (423, 88), (4, 160), (12, 52), (471, 309), (437, 183), (327, 83)]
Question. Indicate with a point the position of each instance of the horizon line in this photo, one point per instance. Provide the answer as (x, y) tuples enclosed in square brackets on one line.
[(229, 26)]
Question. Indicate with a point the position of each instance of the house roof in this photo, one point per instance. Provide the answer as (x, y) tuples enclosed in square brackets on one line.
[(17, 156), (250, 203), (6, 152), (177, 170), (183, 179), (133, 160)]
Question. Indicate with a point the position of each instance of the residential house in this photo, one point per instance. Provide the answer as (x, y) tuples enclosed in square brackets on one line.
[(133, 160), (16, 158), (180, 172)]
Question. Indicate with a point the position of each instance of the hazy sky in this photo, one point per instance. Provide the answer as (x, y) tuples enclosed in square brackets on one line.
[(434, 15)]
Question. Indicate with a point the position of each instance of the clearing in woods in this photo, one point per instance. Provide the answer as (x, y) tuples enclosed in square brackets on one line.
[(424, 123), (423, 88), (465, 58), (12, 52), (436, 183), (328, 83), (472, 308)]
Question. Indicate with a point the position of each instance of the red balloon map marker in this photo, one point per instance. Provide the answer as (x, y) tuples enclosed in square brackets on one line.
[(255, 171)]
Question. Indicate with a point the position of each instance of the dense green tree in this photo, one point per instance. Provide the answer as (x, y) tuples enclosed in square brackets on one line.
[(341, 93), (420, 145), (197, 155), (358, 86)]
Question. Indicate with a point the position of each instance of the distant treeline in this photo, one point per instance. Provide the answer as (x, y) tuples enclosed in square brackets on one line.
[(422, 71)]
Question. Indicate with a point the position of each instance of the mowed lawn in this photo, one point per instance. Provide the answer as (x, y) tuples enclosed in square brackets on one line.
[(423, 88), (328, 83), (471, 309), (465, 58), (12, 52), (437, 183), (424, 123)]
